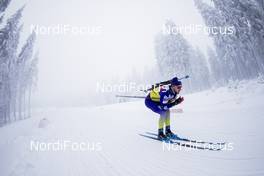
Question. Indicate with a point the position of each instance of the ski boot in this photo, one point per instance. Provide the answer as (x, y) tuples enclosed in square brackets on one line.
[(161, 135), (169, 134)]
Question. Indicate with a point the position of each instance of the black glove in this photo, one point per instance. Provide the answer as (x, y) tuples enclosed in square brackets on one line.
[(179, 100)]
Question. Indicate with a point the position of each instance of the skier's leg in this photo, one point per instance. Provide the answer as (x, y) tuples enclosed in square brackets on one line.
[(167, 120), (155, 108), (161, 125), (167, 124)]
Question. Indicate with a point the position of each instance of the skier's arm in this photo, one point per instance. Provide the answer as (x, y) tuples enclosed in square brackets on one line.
[(164, 102), (178, 100), (175, 102)]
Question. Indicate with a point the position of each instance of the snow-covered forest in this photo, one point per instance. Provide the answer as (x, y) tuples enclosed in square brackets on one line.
[(18, 68), (235, 56), (239, 56), (236, 28)]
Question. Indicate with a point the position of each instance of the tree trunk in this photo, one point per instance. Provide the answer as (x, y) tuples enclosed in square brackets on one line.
[(29, 102)]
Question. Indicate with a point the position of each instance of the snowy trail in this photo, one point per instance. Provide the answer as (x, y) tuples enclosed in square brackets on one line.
[(210, 116)]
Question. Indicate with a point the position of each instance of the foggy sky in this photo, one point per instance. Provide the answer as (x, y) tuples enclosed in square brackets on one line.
[(71, 64)]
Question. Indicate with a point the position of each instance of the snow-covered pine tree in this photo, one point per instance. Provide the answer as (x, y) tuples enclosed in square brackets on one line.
[(240, 54), (24, 64), (216, 72), (31, 79), (175, 56), (172, 53), (248, 20), (213, 18), (199, 70), (17, 72), (3, 6), (8, 49)]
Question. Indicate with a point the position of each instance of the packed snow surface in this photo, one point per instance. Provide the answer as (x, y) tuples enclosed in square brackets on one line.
[(105, 140)]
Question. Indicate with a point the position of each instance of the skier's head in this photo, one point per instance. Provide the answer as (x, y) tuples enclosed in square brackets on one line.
[(176, 85)]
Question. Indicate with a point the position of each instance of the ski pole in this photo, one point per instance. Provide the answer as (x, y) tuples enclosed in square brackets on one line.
[(130, 96)]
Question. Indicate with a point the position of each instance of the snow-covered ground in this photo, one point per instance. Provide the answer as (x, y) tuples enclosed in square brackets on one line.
[(111, 144)]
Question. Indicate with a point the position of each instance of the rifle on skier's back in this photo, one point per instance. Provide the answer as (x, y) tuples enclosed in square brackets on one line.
[(168, 82)]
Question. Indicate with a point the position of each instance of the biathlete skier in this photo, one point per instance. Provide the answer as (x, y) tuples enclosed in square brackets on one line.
[(160, 100)]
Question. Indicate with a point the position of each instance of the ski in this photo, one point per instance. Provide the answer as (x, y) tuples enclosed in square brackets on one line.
[(189, 140), (169, 141), (156, 138)]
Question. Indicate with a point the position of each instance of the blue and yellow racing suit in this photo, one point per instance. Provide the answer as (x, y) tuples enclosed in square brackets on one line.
[(160, 100)]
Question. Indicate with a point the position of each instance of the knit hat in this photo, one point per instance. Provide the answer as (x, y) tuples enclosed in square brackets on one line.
[(175, 82)]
